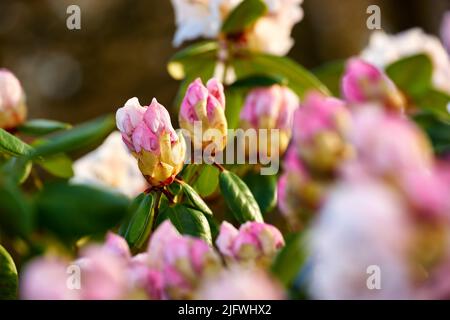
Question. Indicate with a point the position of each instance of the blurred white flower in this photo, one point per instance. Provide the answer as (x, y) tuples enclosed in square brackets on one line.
[(270, 34), (362, 224), (111, 165), (240, 283), (384, 49)]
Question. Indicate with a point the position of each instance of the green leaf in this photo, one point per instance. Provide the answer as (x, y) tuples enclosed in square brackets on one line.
[(299, 79), (17, 169), (331, 75), (436, 103), (79, 137), (190, 221), (207, 181), (290, 260), (257, 80), (264, 189), (235, 101), (12, 145), (16, 215), (192, 59), (437, 131), (137, 230), (195, 199), (38, 127), (73, 211), (9, 281), (412, 74), (239, 198), (59, 165), (243, 16)]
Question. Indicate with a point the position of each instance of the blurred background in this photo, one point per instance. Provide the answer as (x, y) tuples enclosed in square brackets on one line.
[(123, 46)]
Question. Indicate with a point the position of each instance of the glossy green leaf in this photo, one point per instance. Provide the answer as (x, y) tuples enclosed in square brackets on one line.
[(235, 101), (58, 165), (9, 281), (16, 214), (264, 189), (436, 103), (79, 137), (190, 221), (243, 16), (290, 260), (73, 211), (12, 145), (192, 59), (17, 169), (38, 127), (239, 198), (257, 80), (299, 79), (137, 230), (412, 74), (195, 198), (207, 181)]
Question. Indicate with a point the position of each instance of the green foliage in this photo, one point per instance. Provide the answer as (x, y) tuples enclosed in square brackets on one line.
[(59, 165), (331, 74), (137, 228), (239, 198), (257, 80), (9, 281), (195, 199), (207, 181), (189, 221), (38, 127), (243, 16), (264, 189), (12, 145), (73, 211)]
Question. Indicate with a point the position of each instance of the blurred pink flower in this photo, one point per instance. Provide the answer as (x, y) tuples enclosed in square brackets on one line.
[(387, 144), (240, 283), (148, 133), (320, 126), (13, 110), (46, 278), (254, 242), (363, 83)]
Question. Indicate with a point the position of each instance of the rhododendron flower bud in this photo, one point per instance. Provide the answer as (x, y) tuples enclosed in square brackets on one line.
[(253, 242), (47, 279), (148, 133), (270, 108), (363, 82), (445, 30), (298, 193), (240, 283), (205, 107), (183, 260), (387, 144), (320, 126), (13, 110)]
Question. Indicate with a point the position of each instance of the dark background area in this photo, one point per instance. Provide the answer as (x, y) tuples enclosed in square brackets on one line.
[(123, 46)]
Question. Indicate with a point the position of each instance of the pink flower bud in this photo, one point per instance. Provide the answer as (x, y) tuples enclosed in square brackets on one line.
[(13, 110), (271, 108), (183, 260), (148, 133), (117, 245), (445, 30), (363, 82), (47, 279), (320, 126), (205, 106), (241, 283), (253, 242)]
